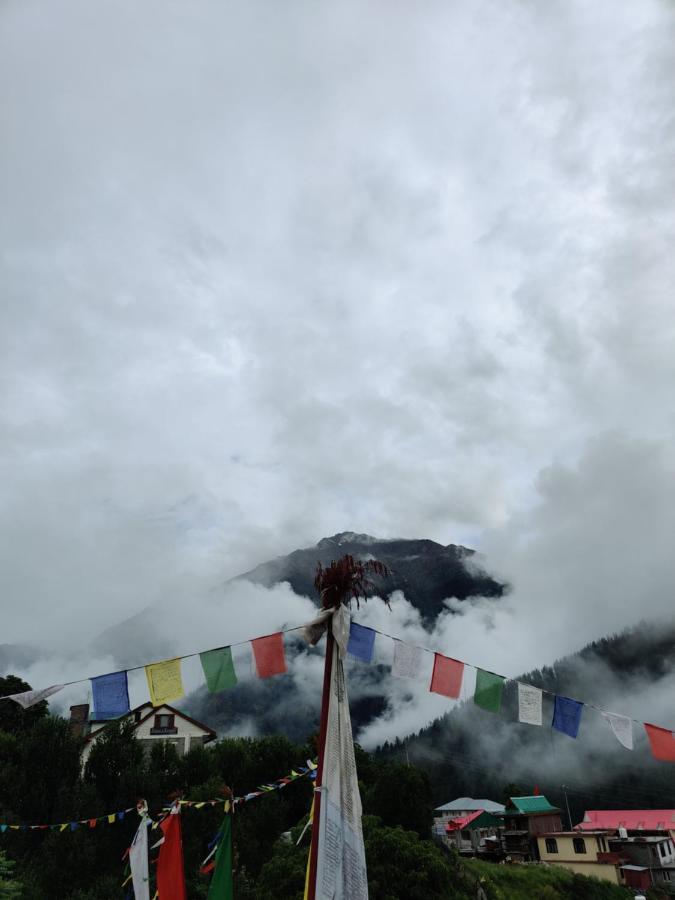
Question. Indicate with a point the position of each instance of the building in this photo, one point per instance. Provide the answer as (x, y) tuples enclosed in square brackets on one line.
[(643, 840), (466, 823), (152, 724), (586, 854), (649, 860), (633, 820), (524, 819), (477, 833)]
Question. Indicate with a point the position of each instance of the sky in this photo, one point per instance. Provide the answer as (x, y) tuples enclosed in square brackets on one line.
[(274, 271)]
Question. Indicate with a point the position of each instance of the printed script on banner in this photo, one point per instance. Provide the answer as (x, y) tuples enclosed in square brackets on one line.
[(341, 862)]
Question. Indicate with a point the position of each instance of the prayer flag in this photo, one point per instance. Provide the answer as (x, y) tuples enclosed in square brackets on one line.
[(407, 660), (567, 715), (361, 642), (170, 869), (269, 655), (488, 692), (164, 681), (218, 669), (622, 728), (313, 631), (111, 695), (529, 704), (30, 698), (221, 887), (111, 819), (138, 861), (447, 675), (340, 872), (662, 742)]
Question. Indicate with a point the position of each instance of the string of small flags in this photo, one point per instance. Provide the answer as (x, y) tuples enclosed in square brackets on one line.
[(444, 675), (307, 771), (266, 657)]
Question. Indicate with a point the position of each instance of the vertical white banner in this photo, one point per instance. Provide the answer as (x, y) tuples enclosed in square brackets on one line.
[(138, 862), (341, 859)]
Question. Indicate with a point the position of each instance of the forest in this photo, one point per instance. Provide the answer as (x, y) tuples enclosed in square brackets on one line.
[(43, 783)]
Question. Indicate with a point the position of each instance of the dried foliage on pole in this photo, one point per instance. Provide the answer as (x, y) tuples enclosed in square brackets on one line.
[(346, 580)]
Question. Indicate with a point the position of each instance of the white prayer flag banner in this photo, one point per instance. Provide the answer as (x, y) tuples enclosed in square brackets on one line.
[(243, 662), (622, 728), (138, 862), (529, 704), (30, 698), (313, 631), (341, 856), (407, 660)]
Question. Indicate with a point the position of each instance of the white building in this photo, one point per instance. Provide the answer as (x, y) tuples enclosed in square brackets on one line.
[(151, 724)]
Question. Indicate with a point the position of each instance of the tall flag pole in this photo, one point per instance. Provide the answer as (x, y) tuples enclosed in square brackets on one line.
[(337, 858)]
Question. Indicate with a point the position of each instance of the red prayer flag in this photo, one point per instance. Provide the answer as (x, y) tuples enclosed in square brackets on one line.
[(662, 742), (170, 872), (536, 791), (447, 676), (269, 655)]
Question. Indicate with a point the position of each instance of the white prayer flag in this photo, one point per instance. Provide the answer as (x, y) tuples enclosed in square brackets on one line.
[(622, 728), (529, 704), (341, 858), (138, 861), (30, 698), (407, 660)]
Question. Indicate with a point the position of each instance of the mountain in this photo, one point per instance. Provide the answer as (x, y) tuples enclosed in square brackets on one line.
[(471, 752), (428, 573)]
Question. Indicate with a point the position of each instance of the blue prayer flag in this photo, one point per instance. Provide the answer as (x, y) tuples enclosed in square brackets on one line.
[(361, 642), (111, 695), (567, 715)]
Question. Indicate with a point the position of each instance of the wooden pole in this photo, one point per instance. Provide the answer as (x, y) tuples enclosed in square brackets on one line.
[(323, 727)]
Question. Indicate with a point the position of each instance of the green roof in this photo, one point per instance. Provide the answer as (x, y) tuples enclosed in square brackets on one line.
[(529, 805)]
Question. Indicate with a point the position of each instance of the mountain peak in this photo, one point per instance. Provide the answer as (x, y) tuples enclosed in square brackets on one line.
[(348, 537)]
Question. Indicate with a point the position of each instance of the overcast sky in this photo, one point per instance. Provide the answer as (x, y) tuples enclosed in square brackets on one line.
[(273, 271)]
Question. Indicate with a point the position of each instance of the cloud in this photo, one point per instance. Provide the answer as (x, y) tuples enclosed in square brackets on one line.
[(273, 273)]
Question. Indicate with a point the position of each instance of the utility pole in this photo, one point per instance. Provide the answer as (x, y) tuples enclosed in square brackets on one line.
[(567, 804)]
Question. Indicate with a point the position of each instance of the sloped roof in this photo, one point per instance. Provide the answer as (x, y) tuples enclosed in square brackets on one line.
[(529, 805), (469, 804), (630, 819), (146, 711), (478, 819)]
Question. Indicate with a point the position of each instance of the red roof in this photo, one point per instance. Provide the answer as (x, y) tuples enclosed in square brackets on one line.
[(630, 819), (462, 821)]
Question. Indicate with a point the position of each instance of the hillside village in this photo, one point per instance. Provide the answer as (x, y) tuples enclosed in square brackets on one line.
[(633, 848)]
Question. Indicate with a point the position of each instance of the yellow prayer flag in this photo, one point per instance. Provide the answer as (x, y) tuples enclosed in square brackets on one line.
[(199, 805), (111, 819), (164, 681), (64, 826)]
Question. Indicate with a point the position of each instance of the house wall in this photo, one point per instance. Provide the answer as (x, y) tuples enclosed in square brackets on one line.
[(186, 737), (603, 871), (581, 863)]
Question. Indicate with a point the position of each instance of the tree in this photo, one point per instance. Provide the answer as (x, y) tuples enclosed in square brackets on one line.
[(10, 888), (116, 765), (401, 796), (13, 717)]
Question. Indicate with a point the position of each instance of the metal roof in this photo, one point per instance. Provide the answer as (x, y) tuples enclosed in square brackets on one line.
[(630, 819), (468, 804), (529, 805)]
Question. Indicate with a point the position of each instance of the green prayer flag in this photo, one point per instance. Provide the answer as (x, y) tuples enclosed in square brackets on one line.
[(221, 884), (218, 669), (488, 693)]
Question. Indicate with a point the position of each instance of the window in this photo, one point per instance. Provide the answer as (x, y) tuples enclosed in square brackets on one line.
[(662, 849), (579, 845), (164, 721), (666, 874), (551, 845)]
